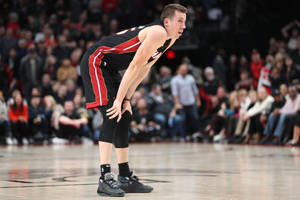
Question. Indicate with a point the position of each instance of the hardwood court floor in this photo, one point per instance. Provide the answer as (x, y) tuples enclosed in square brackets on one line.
[(175, 170)]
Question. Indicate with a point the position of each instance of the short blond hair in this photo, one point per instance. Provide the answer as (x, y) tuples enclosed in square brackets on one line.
[(169, 10)]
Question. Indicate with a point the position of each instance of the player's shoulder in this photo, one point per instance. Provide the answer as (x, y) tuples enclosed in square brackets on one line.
[(157, 31)]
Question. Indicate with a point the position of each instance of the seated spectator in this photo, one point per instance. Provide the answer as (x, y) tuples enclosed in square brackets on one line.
[(71, 87), (70, 123), (80, 110), (18, 116), (176, 125), (165, 78), (50, 104), (276, 77), (262, 106), (97, 121), (242, 127), (245, 81), (273, 117), (296, 132), (210, 84), (292, 70), (160, 105), (66, 71), (143, 128), (287, 114), (46, 88), (61, 95), (37, 121), (284, 91), (5, 133), (232, 112)]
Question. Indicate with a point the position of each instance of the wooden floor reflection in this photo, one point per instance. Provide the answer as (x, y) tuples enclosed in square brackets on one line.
[(175, 170)]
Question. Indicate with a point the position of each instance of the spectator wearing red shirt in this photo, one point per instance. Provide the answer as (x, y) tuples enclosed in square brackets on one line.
[(14, 24), (256, 66), (18, 116), (110, 6)]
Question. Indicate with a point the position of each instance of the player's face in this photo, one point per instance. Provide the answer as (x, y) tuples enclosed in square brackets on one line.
[(176, 25)]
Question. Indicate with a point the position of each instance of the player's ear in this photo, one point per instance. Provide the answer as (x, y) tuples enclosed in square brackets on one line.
[(166, 21)]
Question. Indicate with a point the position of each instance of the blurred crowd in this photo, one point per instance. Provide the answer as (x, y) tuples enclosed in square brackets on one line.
[(252, 98)]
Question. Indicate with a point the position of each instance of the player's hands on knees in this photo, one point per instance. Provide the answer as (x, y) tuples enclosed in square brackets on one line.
[(126, 106), (115, 111)]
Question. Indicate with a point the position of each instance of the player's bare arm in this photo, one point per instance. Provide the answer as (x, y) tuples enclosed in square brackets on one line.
[(153, 40)]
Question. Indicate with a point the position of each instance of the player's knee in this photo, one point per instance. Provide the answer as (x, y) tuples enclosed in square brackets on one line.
[(121, 139)]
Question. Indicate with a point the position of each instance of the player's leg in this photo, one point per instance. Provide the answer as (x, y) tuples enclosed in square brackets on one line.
[(107, 184), (98, 92), (129, 182)]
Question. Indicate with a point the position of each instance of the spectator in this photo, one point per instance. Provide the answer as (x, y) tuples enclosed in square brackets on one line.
[(50, 104), (287, 114), (61, 51), (143, 128), (61, 95), (262, 106), (66, 71), (31, 70), (46, 88), (256, 66), (210, 84), (37, 121), (7, 42), (5, 132), (273, 118), (70, 124), (292, 70), (244, 66), (296, 54), (160, 105), (176, 125), (242, 127), (245, 81), (71, 87), (165, 78), (195, 71), (284, 91), (219, 67), (276, 78), (296, 132), (264, 80), (50, 66), (233, 72), (292, 41), (4, 83), (186, 97), (18, 116)]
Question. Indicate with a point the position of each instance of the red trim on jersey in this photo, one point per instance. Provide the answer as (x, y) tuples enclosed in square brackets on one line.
[(97, 79)]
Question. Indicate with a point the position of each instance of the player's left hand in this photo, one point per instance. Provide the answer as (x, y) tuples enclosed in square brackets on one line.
[(115, 111)]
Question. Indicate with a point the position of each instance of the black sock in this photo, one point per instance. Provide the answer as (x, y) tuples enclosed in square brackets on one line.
[(124, 169), (104, 169)]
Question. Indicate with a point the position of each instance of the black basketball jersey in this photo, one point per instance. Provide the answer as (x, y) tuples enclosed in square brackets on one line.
[(119, 49)]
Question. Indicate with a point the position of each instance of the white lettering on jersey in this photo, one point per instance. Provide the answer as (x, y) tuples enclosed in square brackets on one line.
[(156, 55)]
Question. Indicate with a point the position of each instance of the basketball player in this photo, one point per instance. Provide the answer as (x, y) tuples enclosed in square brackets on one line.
[(108, 88)]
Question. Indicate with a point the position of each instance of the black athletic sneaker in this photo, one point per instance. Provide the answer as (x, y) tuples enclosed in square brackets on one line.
[(131, 184), (109, 186)]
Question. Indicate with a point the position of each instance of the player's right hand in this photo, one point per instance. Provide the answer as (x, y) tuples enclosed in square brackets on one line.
[(115, 111), (127, 107)]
